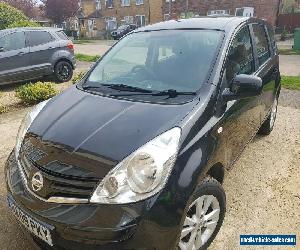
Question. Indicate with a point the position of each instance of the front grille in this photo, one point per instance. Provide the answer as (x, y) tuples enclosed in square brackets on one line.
[(57, 179)]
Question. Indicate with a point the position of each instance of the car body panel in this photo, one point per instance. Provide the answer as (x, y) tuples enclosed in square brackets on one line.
[(95, 132)]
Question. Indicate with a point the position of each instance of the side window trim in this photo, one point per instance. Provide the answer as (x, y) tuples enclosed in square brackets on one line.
[(254, 48), (239, 29), (260, 67), (271, 49)]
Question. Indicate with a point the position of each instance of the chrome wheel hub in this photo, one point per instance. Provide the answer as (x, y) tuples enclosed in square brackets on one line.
[(273, 113), (200, 222)]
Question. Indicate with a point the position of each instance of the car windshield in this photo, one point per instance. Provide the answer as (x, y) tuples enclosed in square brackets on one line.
[(177, 60)]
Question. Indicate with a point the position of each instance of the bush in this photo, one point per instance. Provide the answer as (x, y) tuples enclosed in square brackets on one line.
[(25, 23), (76, 78), (34, 93), (10, 15), (283, 35)]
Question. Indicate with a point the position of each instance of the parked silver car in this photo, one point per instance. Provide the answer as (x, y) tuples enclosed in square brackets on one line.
[(32, 53)]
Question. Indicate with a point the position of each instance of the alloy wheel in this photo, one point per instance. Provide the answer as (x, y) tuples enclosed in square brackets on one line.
[(64, 71), (200, 223)]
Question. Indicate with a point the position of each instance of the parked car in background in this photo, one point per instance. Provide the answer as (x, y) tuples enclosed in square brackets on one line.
[(134, 155), (122, 31), (32, 53)]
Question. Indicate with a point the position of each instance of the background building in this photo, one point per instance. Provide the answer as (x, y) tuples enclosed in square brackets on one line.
[(266, 9), (96, 18)]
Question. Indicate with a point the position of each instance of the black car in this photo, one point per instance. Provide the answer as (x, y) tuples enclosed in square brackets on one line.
[(134, 155), (33, 53), (122, 31)]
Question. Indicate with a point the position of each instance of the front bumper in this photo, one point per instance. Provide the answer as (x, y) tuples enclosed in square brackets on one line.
[(151, 224)]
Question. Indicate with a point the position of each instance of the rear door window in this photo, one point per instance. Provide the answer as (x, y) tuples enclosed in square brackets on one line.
[(14, 41), (272, 37), (62, 35), (39, 37), (261, 41), (240, 58)]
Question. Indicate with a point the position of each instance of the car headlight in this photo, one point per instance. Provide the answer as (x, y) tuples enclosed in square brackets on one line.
[(27, 121), (142, 174)]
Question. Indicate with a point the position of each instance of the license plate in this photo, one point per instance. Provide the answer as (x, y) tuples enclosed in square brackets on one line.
[(31, 224)]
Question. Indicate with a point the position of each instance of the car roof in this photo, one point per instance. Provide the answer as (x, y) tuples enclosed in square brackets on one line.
[(8, 31), (213, 22)]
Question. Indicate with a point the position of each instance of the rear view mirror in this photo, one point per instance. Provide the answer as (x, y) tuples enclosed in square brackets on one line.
[(243, 86)]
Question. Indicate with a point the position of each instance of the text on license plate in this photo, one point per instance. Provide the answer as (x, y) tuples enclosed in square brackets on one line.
[(32, 225)]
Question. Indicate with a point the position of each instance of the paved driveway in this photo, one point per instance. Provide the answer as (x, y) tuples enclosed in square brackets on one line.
[(290, 65)]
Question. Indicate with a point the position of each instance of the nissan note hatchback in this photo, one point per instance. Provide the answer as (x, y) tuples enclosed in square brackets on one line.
[(134, 155), (33, 53)]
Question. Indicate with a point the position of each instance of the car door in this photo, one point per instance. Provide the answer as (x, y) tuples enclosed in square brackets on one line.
[(42, 47), (242, 117), (267, 66), (14, 57)]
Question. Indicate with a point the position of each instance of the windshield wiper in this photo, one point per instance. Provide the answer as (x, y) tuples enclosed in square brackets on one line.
[(171, 93), (124, 87)]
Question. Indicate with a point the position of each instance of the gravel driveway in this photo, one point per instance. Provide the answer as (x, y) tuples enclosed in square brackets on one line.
[(263, 187)]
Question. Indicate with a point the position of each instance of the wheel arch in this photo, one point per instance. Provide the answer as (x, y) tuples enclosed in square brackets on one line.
[(63, 59), (217, 171)]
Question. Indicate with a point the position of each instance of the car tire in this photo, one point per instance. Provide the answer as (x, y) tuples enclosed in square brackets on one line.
[(267, 127), (200, 224), (63, 71)]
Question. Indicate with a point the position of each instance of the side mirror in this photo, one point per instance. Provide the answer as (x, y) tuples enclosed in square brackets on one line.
[(1, 49), (243, 86)]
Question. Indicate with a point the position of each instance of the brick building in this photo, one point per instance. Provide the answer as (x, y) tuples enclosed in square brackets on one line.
[(96, 18), (266, 9)]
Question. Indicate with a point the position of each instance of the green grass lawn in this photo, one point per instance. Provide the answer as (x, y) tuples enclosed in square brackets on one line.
[(86, 58), (83, 41), (289, 52), (290, 82)]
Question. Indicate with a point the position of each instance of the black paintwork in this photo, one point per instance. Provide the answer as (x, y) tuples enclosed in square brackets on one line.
[(92, 133)]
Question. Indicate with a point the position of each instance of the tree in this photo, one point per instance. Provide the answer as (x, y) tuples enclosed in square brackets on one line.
[(10, 15), (28, 7), (59, 11), (291, 6)]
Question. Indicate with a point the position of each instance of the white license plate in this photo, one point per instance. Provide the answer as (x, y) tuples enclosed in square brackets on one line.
[(29, 223)]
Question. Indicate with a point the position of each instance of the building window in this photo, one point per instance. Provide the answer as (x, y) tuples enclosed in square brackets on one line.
[(128, 19), (109, 4), (140, 20), (98, 4), (125, 2), (218, 12), (111, 23), (245, 11), (139, 2), (166, 17)]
